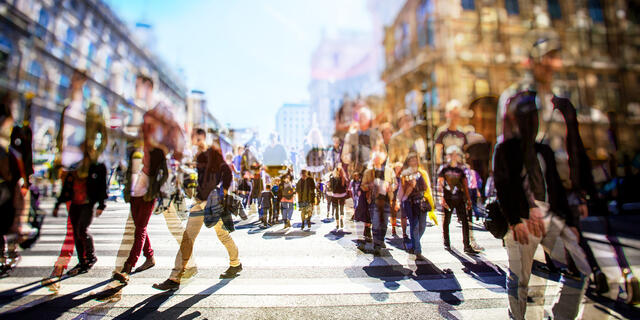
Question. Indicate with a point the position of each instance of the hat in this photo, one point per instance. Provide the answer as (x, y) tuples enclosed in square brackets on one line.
[(453, 149), (544, 44)]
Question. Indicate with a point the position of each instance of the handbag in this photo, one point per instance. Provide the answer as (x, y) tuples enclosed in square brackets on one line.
[(495, 221)]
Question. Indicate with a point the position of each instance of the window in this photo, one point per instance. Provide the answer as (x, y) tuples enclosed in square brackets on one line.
[(555, 12), (431, 40), (595, 11), (43, 21), (71, 36), (91, 52), (468, 4), (5, 53), (425, 26), (63, 87), (32, 80), (512, 6)]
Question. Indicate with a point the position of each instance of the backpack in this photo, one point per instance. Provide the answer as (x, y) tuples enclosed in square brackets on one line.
[(495, 222)]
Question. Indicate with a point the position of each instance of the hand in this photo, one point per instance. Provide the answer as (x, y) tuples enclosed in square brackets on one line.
[(469, 204), (445, 205), (535, 222), (98, 212), (55, 212), (576, 232), (520, 233), (397, 205), (583, 210)]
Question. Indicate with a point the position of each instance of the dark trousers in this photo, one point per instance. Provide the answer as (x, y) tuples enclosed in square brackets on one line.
[(379, 220), (276, 210), (338, 207), (81, 216), (140, 212), (461, 211)]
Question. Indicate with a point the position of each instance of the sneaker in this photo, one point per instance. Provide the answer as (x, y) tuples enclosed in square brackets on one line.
[(148, 264), (231, 272), (78, 269), (476, 247), (167, 285), (189, 272), (470, 250)]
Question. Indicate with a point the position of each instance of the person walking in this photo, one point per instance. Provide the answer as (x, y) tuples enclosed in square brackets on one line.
[(286, 192), (535, 206), (379, 183), (84, 186), (305, 188), (265, 205), (416, 199), (453, 183), (213, 173), (339, 185), (276, 200)]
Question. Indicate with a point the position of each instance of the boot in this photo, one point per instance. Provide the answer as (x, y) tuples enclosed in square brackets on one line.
[(367, 234)]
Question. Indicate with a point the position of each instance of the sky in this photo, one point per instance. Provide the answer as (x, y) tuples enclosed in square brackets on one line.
[(248, 56)]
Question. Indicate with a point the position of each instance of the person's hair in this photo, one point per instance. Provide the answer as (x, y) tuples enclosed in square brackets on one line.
[(366, 112), (199, 132), (145, 79), (410, 156), (268, 186), (386, 126), (5, 105)]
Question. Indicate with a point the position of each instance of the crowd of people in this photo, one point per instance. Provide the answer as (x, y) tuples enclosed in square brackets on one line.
[(541, 177)]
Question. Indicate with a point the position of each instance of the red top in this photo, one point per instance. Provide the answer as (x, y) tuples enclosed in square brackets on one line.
[(79, 191)]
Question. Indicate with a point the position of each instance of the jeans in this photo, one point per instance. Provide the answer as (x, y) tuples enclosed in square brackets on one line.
[(379, 220), (141, 212), (461, 211), (287, 210), (417, 224), (194, 224), (558, 241), (81, 216)]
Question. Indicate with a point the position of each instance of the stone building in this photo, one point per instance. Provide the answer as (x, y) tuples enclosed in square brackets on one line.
[(472, 50), (42, 42)]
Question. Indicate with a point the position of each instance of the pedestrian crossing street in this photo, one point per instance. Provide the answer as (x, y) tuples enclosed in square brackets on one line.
[(320, 273)]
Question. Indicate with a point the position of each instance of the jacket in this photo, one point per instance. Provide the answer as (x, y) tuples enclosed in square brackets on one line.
[(509, 181), (96, 186), (306, 190)]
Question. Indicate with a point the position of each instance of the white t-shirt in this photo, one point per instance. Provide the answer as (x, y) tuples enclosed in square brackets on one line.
[(139, 185)]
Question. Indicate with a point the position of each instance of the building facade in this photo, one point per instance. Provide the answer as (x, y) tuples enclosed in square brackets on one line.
[(472, 50), (42, 42), (293, 122)]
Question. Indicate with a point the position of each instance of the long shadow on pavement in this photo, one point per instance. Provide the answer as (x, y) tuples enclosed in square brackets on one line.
[(55, 307), (148, 308), (482, 270)]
